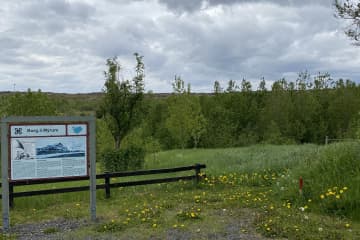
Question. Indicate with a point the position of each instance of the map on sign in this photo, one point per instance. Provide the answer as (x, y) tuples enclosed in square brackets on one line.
[(48, 151)]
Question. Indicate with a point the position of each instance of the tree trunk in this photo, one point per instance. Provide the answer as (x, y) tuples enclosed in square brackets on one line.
[(117, 142)]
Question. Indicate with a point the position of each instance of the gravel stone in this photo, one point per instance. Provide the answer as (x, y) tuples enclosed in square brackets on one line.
[(239, 227), (48, 230)]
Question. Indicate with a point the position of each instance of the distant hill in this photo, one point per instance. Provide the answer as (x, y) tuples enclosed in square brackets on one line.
[(83, 103), (95, 95)]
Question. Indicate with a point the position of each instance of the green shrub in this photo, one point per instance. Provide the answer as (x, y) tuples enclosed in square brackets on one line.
[(130, 158), (137, 138)]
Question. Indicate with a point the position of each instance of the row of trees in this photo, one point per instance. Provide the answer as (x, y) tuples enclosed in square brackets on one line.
[(301, 111), (235, 118)]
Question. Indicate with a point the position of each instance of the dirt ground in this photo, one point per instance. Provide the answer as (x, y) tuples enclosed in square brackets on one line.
[(238, 226)]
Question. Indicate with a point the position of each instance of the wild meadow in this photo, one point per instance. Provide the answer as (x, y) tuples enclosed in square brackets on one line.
[(247, 192)]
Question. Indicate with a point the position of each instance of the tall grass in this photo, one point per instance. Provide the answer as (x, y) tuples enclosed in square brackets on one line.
[(229, 160), (331, 179), (332, 171)]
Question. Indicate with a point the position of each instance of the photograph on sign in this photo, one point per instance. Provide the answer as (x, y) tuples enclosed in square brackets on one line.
[(42, 157)]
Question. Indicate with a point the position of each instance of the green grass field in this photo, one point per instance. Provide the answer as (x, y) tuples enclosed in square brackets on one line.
[(251, 190)]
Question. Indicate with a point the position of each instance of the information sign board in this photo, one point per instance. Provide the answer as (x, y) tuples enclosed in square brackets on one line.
[(40, 147), (48, 150)]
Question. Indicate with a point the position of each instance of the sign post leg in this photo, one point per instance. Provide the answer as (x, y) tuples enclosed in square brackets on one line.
[(5, 179), (92, 170)]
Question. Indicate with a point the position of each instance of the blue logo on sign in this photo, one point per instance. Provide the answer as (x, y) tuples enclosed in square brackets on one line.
[(77, 129)]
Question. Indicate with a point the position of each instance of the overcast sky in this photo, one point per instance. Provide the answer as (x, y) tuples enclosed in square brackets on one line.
[(62, 45)]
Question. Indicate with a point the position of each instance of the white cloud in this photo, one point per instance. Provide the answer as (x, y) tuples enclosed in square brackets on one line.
[(62, 46)]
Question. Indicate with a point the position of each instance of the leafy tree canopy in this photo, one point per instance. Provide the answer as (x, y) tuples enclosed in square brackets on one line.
[(122, 98), (30, 104), (350, 10)]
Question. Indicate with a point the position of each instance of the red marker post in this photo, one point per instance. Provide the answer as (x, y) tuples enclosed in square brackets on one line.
[(301, 184)]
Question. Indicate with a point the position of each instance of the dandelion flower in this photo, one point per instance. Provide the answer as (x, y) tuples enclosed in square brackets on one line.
[(338, 196), (322, 196), (347, 225), (320, 229)]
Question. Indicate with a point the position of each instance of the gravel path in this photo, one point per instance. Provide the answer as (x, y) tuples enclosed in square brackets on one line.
[(236, 228), (46, 230)]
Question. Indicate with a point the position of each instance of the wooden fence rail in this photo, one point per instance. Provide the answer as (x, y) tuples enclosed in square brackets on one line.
[(107, 181)]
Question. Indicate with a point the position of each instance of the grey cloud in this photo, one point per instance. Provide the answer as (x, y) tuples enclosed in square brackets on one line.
[(50, 17), (226, 47), (43, 9), (195, 5), (62, 45), (268, 42), (121, 40), (183, 5), (279, 2), (9, 42)]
